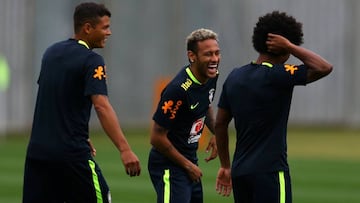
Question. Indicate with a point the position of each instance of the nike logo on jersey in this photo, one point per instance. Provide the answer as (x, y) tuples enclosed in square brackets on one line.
[(193, 106)]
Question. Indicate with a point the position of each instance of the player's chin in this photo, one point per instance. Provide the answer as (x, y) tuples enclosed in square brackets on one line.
[(99, 45), (102, 43)]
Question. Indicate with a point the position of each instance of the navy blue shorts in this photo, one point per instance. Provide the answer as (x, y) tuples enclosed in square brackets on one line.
[(259, 188), (70, 182), (173, 185)]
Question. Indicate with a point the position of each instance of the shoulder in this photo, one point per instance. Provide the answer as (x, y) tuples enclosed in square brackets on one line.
[(289, 69), (238, 70), (181, 82)]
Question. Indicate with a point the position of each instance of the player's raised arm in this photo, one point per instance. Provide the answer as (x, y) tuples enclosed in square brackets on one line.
[(317, 66)]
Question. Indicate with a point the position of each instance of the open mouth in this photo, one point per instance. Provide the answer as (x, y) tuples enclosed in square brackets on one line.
[(214, 66)]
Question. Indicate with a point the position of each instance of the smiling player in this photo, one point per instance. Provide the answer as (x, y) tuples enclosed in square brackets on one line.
[(59, 166), (183, 111)]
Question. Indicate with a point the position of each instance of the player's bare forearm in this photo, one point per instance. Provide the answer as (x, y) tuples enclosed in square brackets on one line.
[(210, 124), (223, 119), (222, 142), (210, 120), (160, 142), (111, 126), (110, 122), (318, 67)]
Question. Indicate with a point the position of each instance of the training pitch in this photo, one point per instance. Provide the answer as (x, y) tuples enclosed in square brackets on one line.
[(324, 164)]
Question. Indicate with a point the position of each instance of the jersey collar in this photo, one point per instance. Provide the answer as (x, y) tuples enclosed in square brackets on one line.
[(83, 43), (264, 64), (191, 75)]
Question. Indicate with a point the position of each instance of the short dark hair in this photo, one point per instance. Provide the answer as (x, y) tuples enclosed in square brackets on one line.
[(89, 12), (199, 35), (277, 23)]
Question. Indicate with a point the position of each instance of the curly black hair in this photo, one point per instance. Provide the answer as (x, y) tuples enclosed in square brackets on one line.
[(277, 23)]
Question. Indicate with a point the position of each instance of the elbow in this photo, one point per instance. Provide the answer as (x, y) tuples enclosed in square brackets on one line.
[(99, 108), (100, 103), (321, 72), (157, 136), (327, 69)]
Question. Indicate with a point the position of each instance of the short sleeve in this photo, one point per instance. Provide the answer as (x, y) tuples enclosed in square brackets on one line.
[(289, 75), (223, 100), (171, 103), (95, 77)]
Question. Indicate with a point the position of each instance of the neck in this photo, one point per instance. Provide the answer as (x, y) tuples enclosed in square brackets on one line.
[(196, 74), (270, 59)]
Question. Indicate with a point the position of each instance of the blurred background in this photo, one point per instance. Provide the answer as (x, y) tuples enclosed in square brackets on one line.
[(147, 47)]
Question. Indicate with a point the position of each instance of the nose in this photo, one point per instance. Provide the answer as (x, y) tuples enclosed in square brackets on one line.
[(215, 57), (108, 32)]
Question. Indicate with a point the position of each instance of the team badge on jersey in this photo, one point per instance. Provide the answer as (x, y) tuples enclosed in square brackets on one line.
[(100, 73), (195, 132), (291, 68)]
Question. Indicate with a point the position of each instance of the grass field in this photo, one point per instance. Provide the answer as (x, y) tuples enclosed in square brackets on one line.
[(325, 167)]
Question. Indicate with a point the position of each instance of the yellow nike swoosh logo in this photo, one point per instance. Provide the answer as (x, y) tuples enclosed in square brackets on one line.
[(193, 106)]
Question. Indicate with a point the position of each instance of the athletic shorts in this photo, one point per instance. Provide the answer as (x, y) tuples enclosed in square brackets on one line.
[(259, 188), (59, 182), (173, 185)]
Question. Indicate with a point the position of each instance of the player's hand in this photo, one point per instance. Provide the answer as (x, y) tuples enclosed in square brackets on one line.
[(213, 148), (277, 44), (131, 163), (92, 148), (223, 182), (194, 172)]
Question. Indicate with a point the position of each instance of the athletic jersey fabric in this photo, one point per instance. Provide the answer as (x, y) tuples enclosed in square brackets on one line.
[(258, 96), (182, 110), (70, 74)]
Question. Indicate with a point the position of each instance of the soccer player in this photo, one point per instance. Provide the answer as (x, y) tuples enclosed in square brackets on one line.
[(258, 97), (59, 166), (183, 110)]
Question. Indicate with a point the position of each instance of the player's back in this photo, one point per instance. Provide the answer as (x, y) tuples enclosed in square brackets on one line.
[(260, 108)]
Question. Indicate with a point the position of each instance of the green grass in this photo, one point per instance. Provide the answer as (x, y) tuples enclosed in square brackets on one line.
[(325, 166)]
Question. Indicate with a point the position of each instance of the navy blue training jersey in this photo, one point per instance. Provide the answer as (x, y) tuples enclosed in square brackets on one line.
[(70, 74), (182, 109), (259, 97)]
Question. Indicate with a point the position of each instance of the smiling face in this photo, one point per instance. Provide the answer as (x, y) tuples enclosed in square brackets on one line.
[(205, 62), (98, 33)]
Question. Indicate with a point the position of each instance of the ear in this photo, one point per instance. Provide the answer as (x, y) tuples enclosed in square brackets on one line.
[(87, 28), (191, 56)]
